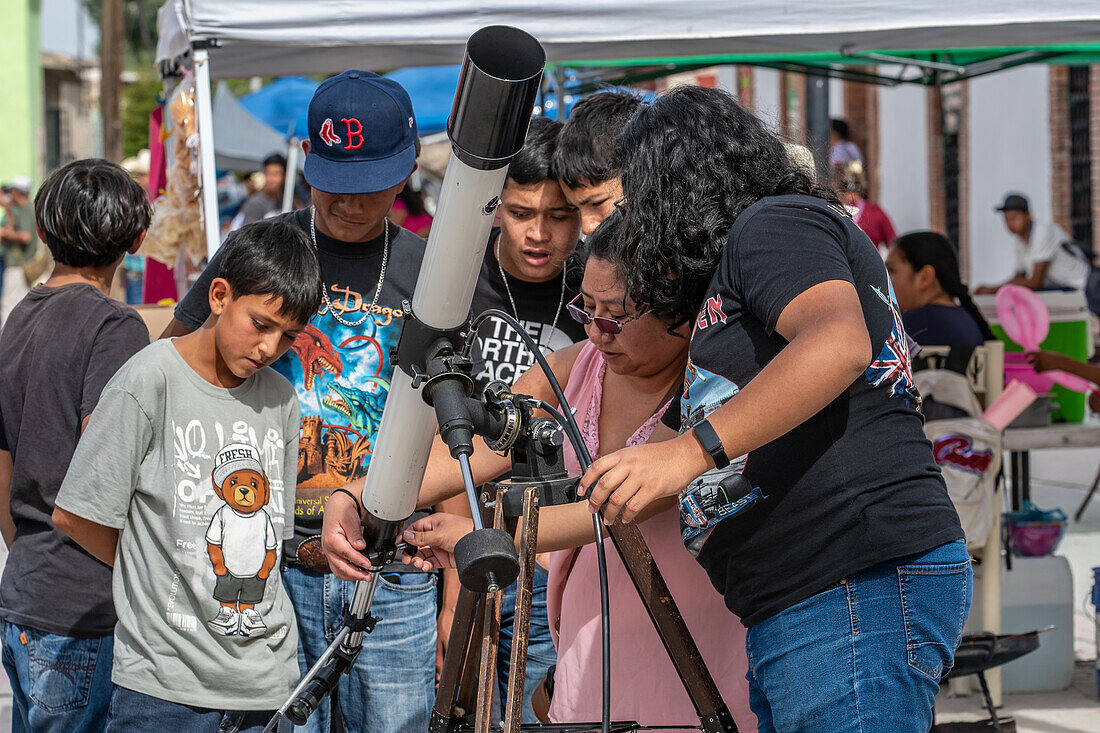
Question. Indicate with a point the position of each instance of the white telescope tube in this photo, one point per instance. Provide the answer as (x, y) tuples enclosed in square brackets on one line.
[(488, 123), (444, 291)]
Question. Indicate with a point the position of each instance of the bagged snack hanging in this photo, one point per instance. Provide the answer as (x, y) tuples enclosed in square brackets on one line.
[(177, 215)]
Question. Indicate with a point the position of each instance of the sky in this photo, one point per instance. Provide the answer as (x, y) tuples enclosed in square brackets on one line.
[(66, 28)]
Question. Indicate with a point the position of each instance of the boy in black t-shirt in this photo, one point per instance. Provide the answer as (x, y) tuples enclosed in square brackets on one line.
[(530, 271), (61, 345)]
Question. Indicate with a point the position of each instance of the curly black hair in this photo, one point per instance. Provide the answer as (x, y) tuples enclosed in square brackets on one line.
[(691, 163)]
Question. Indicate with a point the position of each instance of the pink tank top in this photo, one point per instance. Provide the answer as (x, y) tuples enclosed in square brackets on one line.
[(644, 684)]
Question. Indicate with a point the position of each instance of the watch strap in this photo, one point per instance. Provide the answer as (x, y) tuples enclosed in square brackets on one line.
[(711, 443)]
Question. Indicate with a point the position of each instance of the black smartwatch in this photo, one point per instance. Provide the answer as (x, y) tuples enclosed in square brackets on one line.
[(711, 443)]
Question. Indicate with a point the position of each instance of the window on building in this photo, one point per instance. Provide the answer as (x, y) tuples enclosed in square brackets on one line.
[(1080, 158)]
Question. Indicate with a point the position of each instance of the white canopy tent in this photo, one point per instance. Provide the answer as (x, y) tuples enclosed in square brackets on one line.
[(277, 37), (239, 38)]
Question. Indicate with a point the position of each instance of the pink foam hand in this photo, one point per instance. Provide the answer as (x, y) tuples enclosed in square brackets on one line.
[(1070, 381), (1023, 315)]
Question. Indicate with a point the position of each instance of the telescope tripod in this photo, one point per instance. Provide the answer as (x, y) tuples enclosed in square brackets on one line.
[(469, 668)]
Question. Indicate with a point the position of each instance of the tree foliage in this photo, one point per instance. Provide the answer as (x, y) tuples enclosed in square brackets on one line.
[(139, 22)]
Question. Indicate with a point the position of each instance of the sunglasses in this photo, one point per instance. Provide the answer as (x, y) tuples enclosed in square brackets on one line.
[(605, 325)]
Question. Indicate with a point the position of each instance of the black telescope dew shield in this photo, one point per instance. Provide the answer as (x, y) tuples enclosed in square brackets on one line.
[(497, 88)]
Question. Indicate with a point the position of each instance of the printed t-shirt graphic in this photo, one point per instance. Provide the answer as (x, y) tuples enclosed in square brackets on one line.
[(340, 373), (342, 377), (241, 540), (499, 352)]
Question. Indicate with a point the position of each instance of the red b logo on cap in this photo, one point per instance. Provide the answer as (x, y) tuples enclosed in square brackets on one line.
[(353, 133)]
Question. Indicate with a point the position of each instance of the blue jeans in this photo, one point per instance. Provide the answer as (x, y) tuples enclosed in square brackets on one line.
[(391, 688), (58, 683), (135, 712), (540, 646), (866, 655)]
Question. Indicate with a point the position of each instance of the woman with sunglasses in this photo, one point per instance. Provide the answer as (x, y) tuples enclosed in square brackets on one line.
[(621, 381), (844, 558)]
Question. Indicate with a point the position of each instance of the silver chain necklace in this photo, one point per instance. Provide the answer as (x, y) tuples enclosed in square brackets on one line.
[(515, 310), (381, 275)]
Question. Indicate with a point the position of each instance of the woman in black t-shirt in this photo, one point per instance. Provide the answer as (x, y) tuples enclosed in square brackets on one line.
[(936, 307), (842, 553)]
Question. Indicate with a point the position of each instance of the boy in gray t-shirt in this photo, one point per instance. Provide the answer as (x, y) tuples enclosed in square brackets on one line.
[(184, 481)]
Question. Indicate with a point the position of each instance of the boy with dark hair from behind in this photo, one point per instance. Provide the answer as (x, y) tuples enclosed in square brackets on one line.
[(184, 481), (585, 162), (60, 346)]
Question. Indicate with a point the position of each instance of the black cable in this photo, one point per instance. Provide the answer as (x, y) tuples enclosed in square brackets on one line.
[(584, 458)]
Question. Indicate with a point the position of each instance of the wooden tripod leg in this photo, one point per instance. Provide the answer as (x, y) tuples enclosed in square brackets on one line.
[(490, 640), (458, 645), (521, 621), (682, 650)]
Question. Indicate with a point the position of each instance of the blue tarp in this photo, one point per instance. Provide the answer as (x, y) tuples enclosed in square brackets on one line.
[(432, 91), (283, 104)]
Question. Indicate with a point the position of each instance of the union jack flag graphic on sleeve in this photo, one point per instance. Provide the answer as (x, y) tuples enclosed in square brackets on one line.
[(892, 368)]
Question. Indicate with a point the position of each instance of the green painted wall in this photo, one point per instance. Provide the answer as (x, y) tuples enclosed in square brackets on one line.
[(20, 89)]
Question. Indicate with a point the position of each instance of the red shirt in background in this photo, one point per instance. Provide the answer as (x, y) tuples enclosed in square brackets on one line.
[(875, 224)]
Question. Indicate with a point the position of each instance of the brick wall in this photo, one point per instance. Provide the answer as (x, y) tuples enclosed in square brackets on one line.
[(936, 193), (1058, 110), (964, 183), (936, 182), (861, 114), (1094, 147)]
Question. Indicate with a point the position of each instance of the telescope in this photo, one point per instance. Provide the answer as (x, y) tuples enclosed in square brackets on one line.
[(499, 82)]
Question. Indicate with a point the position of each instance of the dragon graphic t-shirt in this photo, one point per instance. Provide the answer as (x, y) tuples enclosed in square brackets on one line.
[(340, 372), (199, 481), (852, 486)]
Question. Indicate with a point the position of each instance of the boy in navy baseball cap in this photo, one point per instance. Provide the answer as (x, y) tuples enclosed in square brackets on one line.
[(361, 150), (362, 134)]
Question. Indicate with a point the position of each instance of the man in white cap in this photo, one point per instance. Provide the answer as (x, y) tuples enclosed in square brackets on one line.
[(20, 244)]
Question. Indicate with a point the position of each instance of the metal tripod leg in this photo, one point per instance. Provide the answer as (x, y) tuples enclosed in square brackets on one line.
[(521, 620), (682, 650), (490, 640)]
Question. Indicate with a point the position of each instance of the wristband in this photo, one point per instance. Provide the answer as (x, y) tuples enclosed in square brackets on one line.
[(353, 498), (711, 443)]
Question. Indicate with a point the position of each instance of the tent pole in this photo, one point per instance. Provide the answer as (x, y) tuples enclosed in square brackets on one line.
[(205, 109), (559, 90), (817, 122), (293, 149)]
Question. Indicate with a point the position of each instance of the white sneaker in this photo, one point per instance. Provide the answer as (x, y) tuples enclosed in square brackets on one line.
[(251, 623), (225, 622)]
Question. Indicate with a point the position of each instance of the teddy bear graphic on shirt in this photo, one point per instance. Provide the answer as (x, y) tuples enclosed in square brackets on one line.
[(240, 540)]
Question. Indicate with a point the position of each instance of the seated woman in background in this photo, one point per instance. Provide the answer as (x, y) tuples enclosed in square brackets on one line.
[(621, 381), (936, 307)]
